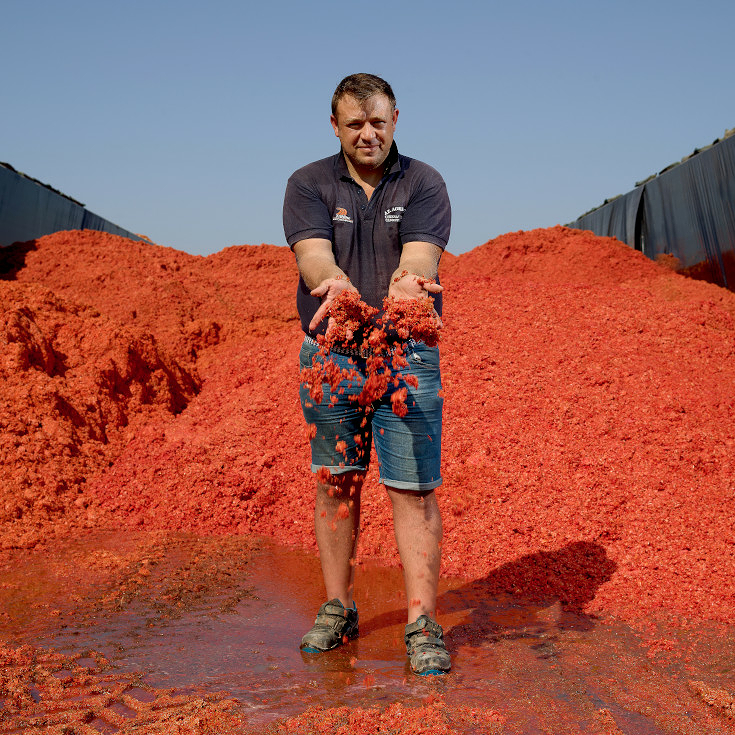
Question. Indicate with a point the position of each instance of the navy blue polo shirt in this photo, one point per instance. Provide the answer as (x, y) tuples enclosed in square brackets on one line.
[(323, 200)]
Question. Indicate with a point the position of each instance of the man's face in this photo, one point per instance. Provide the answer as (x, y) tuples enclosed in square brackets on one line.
[(365, 130)]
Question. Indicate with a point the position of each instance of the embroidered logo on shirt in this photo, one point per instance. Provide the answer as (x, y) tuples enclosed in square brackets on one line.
[(394, 214), (341, 215)]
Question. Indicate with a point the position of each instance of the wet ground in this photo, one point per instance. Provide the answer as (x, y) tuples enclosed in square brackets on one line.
[(118, 631)]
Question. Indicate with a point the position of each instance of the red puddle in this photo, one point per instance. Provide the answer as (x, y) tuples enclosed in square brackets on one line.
[(519, 665), (588, 443)]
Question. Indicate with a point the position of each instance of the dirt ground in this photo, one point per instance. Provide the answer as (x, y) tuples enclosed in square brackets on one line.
[(156, 551)]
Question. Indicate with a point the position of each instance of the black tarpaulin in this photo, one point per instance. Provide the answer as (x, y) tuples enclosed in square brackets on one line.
[(28, 210), (687, 211), (615, 219)]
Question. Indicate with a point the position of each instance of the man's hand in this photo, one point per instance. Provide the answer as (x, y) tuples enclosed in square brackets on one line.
[(411, 286), (328, 290), (407, 285), (320, 273), (414, 277)]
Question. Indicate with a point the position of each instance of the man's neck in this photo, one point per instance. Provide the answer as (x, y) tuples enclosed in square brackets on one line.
[(367, 178)]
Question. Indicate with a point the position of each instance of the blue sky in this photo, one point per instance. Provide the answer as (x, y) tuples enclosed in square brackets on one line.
[(182, 121)]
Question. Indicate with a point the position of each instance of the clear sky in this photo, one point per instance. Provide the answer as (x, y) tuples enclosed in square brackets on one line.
[(183, 120)]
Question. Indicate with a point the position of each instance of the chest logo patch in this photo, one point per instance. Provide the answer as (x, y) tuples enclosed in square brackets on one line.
[(341, 215), (394, 214)]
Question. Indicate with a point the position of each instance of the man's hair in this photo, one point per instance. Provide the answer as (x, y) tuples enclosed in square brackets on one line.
[(361, 87)]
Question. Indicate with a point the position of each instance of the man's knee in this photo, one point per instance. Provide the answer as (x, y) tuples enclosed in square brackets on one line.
[(411, 504)]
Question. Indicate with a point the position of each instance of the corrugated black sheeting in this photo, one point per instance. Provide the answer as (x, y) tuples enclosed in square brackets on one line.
[(29, 210), (616, 219), (687, 212)]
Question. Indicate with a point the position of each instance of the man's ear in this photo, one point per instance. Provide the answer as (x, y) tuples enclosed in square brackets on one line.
[(395, 116), (333, 120)]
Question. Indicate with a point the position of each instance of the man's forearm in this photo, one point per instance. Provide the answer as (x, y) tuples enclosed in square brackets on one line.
[(423, 267), (420, 259), (315, 261), (315, 270), (415, 277)]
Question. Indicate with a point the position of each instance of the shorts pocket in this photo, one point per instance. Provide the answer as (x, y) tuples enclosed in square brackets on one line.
[(427, 357), (306, 354)]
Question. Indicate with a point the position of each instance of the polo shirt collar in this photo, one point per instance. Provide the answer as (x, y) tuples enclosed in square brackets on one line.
[(392, 163)]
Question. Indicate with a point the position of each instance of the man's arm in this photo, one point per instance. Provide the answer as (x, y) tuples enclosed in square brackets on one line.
[(416, 271), (315, 261)]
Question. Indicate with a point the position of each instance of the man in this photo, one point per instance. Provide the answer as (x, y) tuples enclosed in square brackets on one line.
[(371, 220)]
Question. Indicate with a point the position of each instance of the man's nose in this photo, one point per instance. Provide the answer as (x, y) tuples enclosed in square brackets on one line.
[(367, 132)]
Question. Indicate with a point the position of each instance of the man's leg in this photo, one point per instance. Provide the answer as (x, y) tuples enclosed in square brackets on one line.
[(418, 528), (337, 520), (409, 452), (340, 436)]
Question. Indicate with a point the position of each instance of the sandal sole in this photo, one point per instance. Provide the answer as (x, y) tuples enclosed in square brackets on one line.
[(432, 672)]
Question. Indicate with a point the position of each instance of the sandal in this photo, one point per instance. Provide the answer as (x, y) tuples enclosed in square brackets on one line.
[(425, 647), (334, 625)]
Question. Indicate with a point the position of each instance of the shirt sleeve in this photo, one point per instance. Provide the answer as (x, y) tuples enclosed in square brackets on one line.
[(305, 214), (428, 216)]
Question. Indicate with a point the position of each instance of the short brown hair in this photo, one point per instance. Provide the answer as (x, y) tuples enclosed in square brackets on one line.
[(361, 87)]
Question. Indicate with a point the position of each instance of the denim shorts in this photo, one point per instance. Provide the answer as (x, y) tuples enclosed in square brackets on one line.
[(408, 448)]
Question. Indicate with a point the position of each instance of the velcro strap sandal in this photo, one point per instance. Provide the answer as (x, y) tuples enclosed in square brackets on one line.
[(334, 625), (425, 647)]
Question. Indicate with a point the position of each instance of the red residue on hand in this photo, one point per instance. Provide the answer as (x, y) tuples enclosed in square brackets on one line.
[(412, 318), (353, 325)]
